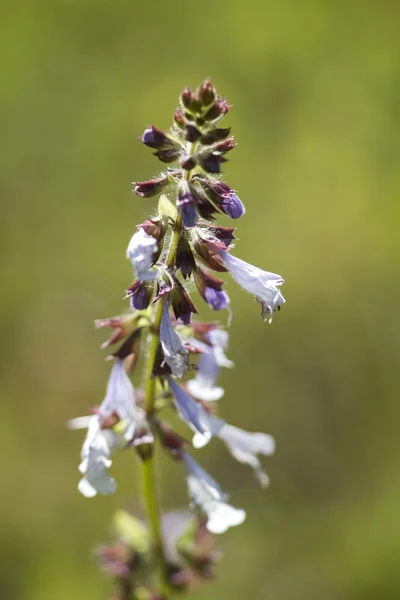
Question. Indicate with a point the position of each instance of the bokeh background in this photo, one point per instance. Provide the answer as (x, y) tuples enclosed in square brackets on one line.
[(316, 92)]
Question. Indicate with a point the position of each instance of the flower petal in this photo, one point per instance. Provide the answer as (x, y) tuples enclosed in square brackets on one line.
[(120, 399), (244, 446), (140, 251), (262, 284), (194, 414), (175, 353)]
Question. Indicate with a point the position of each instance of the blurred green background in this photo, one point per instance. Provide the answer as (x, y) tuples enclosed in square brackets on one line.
[(315, 87)]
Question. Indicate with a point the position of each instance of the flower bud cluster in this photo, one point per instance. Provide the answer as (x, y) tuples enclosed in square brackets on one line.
[(180, 244)]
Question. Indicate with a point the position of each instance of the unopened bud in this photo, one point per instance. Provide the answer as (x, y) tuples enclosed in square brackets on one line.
[(188, 163), (206, 93), (179, 118), (147, 189), (192, 133), (218, 110), (215, 135), (186, 98)]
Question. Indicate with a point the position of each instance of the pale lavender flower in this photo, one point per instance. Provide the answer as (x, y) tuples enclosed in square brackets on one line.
[(262, 284), (120, 399), (217, 299), (194, 414), (206, 494), (212, 358), (140, 252), (175, 354), (245, 446), (95, 457)]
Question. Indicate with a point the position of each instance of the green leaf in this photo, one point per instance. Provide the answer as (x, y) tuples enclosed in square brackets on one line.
[(166, 208)]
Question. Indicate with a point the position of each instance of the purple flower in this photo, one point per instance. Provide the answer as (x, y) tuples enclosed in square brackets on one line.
[(139, 294), (212, 358), (232, 206), (140, 252), (245, 446), (186, 205), (262, 284), (120, 399), (206, 494), (217, 299), (175, 353), (211, 289), (193, 413)]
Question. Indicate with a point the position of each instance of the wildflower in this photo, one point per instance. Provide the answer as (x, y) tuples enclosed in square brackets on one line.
[(194, 414), (206, 494), (211, 290), (140, 252), (95, 457), (262, 284), (224, 197), (244, 446), (203, 387), (175, 353), (120, 399), (140, 293)]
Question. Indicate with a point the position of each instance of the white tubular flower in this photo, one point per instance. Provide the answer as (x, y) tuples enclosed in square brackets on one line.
[(95, 457), (212, 358), (175, 354), (219, 341), (194, 414), (140, 252), (245, 446), (120, 399), (262, 284), (206, 494)]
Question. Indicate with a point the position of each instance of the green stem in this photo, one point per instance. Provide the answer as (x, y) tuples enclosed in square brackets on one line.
[(149, 488)]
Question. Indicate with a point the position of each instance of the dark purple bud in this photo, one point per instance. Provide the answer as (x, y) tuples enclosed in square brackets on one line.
[(206, 93), (186, 205), (191, 133), (188, 162), (217, 299), (147, 189), (182, 305), (156, 138), (218, 110), (169, 155), (140, 294), (214, 135), (184, 257), (188, 213), (224, 234), (211, 162)]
